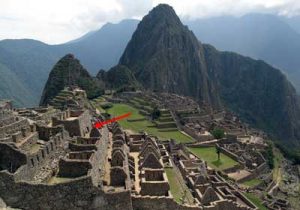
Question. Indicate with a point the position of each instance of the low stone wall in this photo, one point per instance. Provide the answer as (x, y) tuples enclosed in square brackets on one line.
[(233, 169), (11, 159), (254, 173), (158, 203), (157, 188), (166, 125), (73, 168), (81, 147), (167, 203), (228, 153), (14, 127), (77, 194), (6, 121), (136, 120)]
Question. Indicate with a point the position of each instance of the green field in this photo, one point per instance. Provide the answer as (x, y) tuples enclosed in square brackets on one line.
[(252, 182), (210, 156), (178, 188), (144, 125), (257, 201)]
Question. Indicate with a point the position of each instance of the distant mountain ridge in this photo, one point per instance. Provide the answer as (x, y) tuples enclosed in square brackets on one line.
[(31, 61), (260, 36), (253, 35)]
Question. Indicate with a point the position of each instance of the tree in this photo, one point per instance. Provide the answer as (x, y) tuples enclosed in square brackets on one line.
[(218, 133), (218, 151), (155, 113), (269, 155)]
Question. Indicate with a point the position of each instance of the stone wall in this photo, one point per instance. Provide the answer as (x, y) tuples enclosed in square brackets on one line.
[(73, 168), (158, 203), (78, 126), (7, 120), (14, 127), (78, 194), (167, 203), (11, 159), (35, 161)]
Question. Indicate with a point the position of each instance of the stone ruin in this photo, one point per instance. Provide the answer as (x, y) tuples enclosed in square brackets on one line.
[(55, 159), (208, 187), (252, 162)]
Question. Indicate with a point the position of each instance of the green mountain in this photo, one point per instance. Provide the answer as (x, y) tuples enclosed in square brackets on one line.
[(11, 86), (68, 71), (31, 62), (262, 36), (259, 93), (118, 77), (164, 55)]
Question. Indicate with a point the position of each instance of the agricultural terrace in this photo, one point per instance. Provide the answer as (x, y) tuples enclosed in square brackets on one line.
[(138, 122)]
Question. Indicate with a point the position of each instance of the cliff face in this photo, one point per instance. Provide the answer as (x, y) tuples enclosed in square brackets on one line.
[(164, 55), (68, 71), (259, 93)]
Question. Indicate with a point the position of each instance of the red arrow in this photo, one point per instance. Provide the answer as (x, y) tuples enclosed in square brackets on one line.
[(100, 124)]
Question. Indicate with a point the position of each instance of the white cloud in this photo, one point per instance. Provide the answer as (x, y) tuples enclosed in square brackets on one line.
[(57, 21)]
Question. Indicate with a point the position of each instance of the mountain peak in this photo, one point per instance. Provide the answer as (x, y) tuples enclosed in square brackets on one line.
[(164, 55), (163, 11), (162, 15), (68, 71)]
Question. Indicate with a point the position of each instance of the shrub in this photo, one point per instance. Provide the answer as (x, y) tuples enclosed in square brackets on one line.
[(218, 133), (155, 114), (106, 105)]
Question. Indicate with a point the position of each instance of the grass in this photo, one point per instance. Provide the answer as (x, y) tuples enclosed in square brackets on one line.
[(257, 201), (252, 182), (57, 180), (145, 125), (210, 156), (278, 157), (34, 148), (177, 187)]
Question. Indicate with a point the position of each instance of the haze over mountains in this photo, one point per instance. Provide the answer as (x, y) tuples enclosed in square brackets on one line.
[(268, 37), (265, 37), (28, 62)]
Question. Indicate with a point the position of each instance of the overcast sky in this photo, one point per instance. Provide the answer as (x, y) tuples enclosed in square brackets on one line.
[(58, 21)]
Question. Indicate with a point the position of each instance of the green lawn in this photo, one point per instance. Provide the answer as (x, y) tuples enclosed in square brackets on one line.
[(257, 201), (210, 156), (145, 125), (252, 182), (177, 187)]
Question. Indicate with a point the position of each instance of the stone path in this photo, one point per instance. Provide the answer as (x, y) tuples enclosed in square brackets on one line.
[(239, 174), (136, 168), (107, 163)]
